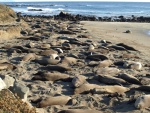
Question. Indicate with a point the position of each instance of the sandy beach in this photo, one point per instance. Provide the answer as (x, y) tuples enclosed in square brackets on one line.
[(80, 65), (115, 31)]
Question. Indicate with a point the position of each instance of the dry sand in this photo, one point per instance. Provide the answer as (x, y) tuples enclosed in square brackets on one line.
[(112, 31)]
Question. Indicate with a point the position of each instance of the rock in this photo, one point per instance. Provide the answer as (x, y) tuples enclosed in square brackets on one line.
[(9, 81), (128, 31), (21, 90), (2, 84)]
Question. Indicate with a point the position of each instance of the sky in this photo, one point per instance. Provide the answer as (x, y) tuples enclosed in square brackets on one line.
[(74, 0)]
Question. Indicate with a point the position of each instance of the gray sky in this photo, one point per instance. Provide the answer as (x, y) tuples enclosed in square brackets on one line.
[(74, 0)]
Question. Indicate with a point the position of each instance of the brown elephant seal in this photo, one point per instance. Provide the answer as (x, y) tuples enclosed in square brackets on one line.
[(105, 63), (59, 68), (78, 80), (85, 88), (106, 79), (58, 100), (129, 78), (129, 55), (106, 71), (7, 66), (110, 90), (142, 102), (69, 60), (50, 76), (79, 111), (29, 57)]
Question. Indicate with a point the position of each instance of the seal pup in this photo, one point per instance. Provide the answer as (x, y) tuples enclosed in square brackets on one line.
[(142, 102), (79, 111), (105, 63), (50, 76), (78, 80), (57, 100)]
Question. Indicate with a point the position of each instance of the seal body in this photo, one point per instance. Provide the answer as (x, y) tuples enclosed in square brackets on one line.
[(58, 100), (142, 102), (78, 80)]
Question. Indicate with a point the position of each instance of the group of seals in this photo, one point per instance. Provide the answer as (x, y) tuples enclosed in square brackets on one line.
[(77, 64)]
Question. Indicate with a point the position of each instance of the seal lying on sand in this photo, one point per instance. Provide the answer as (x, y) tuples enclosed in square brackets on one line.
[(53, 59), (29, 57), (142, 102), (106, 71), (7, 66), (58, 100), (50, 76), (105, 63), (79, 111), (129, 78), (93, 88), (78, 80)]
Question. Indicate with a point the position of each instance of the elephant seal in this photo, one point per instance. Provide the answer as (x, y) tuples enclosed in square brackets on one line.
[(79, 111), (110, 80), (127, 55), (78, 80), (105, 63), (50, 76), (7, 66), (111, 90), (58, 100), (53, 59), (29, 57), (69, 60), (142, 102), (132, 65), (97, 57), (106, 71), (129, 78)]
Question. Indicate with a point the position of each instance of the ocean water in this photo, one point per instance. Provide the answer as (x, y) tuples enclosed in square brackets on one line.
[(98, 9)]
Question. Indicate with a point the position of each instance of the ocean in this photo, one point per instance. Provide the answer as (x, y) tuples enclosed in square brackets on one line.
[(98, 9)]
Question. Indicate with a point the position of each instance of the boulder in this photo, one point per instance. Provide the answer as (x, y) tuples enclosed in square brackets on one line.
[(2, 84), (21, 90), (9, 81)]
